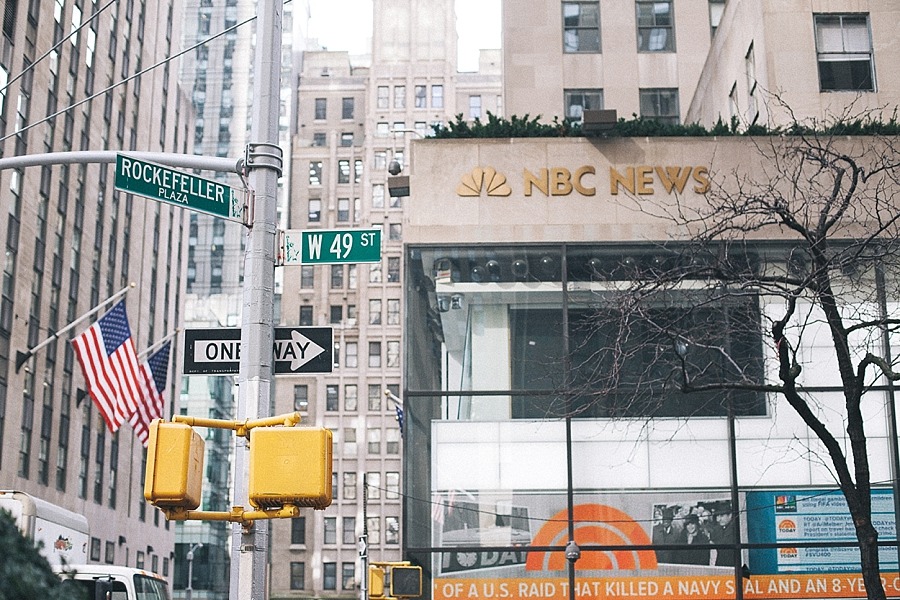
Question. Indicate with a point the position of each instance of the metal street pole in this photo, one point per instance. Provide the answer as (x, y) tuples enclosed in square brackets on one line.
[(263, 162), (189, 590)]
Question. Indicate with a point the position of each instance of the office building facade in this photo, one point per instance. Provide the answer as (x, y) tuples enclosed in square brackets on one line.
[(76, 76), (352, 123)]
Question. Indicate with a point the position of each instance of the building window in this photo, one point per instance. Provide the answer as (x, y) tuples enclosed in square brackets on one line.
[(306, 315), (750, 73), (581, 26), (373, 489), (844, 52), (337, 277), (110, 557), (660, 104), (374, 523), (357, 170), (716, 8), (378, 195), (380, 163), (352, 360), (373, 440), (350, 484), (375, 354), (437, 96), (474, 107), (395, 232), (348, 528), (343, 210), (393, 312), (656, 26), (330, 530), (348, 576), (399, 96), (391, 530), (392, 485), (392, 440), (298, 530), (382, 129), (346, 139), (351, 393), (318, 139), (578, 101), (301, 398), (346, 108), (307, 277), (374, 398), (375, 273), (421, 96), (393, 271), (375, 312), (298, 575), (331, 398), (393, 353), (343, 171), (139, 560), (315, 210), (383, 98), (329, 576), (335, 314), (315, 172), (321, 105)]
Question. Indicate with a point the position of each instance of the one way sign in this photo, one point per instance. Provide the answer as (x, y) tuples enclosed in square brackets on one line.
[(298, 350)]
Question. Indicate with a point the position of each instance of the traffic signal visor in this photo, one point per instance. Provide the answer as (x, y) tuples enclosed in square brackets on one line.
[(174, 475), (406, 581), (290, 465), (376, 582)]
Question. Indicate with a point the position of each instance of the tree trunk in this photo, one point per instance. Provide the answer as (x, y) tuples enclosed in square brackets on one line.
[(867, 537)]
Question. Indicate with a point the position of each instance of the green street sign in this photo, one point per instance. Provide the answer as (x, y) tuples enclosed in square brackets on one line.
[(332, 246), (182, 189)]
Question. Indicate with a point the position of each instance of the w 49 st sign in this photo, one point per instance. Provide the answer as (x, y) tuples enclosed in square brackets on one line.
[(332, 246), (298, 350)]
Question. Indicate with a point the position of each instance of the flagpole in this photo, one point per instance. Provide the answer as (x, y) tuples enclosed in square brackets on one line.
[(22, 357), (158, 343)]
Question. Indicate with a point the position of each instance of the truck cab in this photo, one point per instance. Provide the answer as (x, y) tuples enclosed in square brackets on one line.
[(108, 582)]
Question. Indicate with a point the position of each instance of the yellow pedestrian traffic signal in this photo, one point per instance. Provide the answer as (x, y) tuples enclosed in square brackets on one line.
[(376, 582), (290, 465), (406, 581), (174, 473)]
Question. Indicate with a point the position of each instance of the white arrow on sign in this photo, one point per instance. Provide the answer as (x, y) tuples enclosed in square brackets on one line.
[(299, 350)]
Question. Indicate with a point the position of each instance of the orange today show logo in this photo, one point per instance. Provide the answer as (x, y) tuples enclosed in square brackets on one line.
[(787, 526), (595, 524)]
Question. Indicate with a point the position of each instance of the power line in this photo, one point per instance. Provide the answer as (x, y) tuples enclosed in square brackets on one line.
[(74, 32), (127, 79)]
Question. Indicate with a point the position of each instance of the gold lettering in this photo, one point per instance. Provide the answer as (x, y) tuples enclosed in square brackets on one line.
[(616, 178), (673, 178), (701, 176), (644, 179), (542, 182), (579, 187), (562, 181)]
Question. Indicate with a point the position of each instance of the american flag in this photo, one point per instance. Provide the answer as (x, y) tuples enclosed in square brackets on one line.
[(156, 372), (110, 366), (400, 417)]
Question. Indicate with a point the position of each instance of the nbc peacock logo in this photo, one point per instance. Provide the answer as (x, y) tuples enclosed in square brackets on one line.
[(596, 524), (472, 184)]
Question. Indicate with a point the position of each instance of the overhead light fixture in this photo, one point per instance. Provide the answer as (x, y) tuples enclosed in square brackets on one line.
[(478, 274), (598, 122), (493, 270), (398, 186), (520, 268)]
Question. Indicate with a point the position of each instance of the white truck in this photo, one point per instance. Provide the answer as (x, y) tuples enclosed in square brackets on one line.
[(65, 536)]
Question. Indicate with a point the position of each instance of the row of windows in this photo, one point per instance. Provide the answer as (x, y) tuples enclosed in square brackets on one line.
[(843, 41), (348, 530), (109, 557), (307, 278), (655, 26), (660, 104), (321, 108), (329, 576), (385, 99), (375, 401), (344, 173)]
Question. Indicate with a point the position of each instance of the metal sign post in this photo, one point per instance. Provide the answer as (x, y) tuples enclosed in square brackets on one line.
[(263, 161)]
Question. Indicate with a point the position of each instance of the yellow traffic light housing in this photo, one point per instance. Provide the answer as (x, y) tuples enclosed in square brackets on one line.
[(174, 475), (376, 582), (406, 581), (290, 465)]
